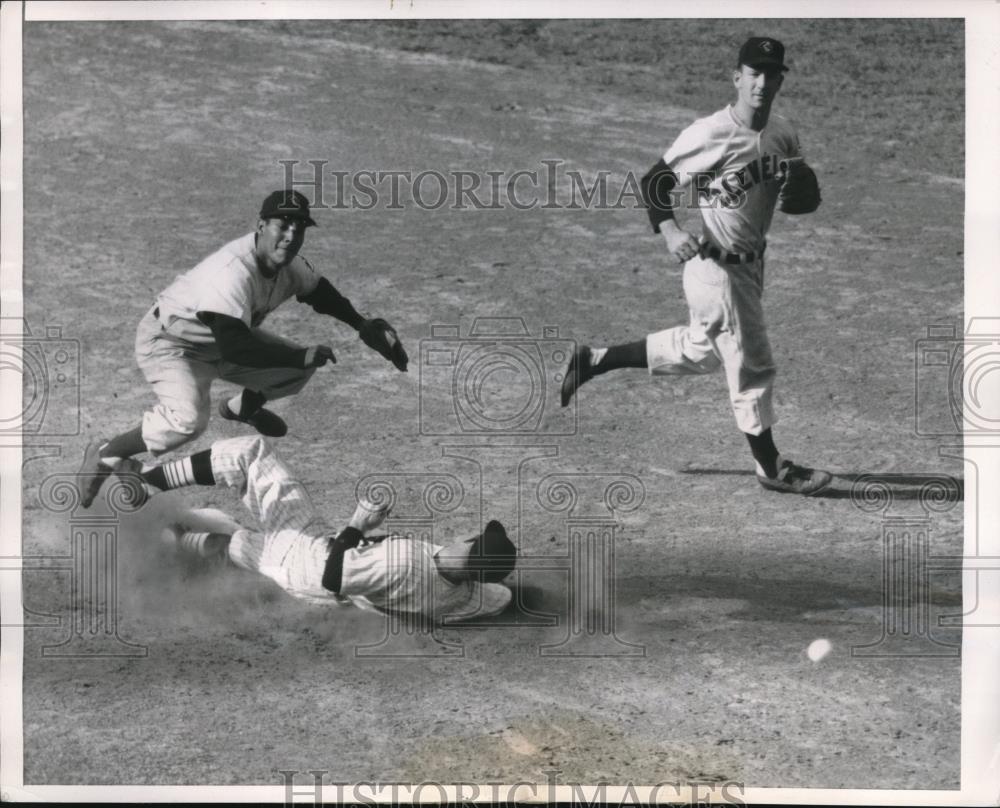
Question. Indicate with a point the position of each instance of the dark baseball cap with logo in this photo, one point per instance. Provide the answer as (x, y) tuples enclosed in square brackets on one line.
[(286, 204), (762, 51)]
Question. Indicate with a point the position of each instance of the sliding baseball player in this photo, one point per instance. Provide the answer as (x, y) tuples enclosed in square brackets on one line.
[(297, 549)]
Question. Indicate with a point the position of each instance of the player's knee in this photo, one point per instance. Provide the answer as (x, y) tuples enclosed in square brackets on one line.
[(289, 385), (189, 423)]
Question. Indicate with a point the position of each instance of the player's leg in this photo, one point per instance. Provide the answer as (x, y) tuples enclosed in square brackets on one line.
[(203, 545), (146, 481), (202, 533), (588, 362), (750, 372), (292, 546), (248, 464), (262, 385), (686, 349), (274, 496), (181, 385)]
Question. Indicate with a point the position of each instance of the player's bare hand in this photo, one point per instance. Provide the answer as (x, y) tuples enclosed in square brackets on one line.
[(319, 355), (368, 516), (681, 244)]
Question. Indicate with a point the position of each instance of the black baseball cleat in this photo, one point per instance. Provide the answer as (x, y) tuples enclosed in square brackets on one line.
[(578, 372), (264, 421), (92, 474), (795, 479)]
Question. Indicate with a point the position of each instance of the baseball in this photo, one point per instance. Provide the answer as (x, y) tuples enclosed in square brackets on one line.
[(818, 649)]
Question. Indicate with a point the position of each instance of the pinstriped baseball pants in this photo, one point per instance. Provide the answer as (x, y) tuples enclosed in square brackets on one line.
[(291, 546)]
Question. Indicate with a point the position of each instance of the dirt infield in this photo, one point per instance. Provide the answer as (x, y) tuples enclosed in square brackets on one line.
[(147, 145)]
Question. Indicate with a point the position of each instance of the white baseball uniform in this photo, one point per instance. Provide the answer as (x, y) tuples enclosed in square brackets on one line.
[(292, 545), (178, 355), (734, 170)]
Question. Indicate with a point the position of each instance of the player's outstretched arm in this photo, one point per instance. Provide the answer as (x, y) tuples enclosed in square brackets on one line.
[(327, 300), (376, 333), (367, 516), (238, 345)]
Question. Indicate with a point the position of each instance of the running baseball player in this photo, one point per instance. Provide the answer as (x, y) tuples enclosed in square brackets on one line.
[(296, 548), (739, 163), (207, 325)]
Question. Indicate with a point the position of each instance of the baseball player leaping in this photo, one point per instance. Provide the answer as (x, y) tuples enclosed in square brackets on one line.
[(296, 548), (206, 326), (742, 162)]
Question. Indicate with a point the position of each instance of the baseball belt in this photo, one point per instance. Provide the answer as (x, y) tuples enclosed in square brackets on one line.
[(711, 251)]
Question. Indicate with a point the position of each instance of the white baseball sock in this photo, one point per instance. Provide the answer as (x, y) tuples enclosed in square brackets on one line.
[(193, 542), (235, 404)]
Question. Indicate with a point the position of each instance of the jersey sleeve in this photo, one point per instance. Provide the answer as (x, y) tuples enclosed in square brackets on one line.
[(305, 277), (696, 151), (788, 138), (228, 291)]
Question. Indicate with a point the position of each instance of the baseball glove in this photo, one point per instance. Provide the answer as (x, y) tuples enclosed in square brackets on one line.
[(378, 335), (799, 192)]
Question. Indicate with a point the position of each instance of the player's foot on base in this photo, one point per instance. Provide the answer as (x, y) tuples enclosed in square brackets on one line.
[(795, 479), (92, 474), (264, 421), (578, 372)]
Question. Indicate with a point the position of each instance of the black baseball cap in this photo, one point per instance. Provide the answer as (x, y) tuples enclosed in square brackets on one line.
[(762, 51), (286, 204)]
